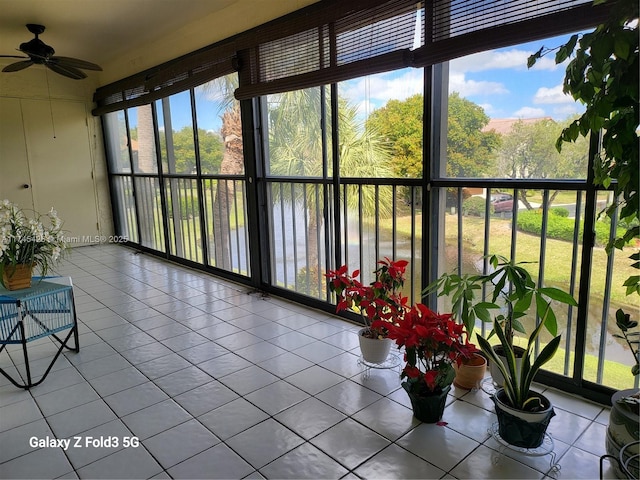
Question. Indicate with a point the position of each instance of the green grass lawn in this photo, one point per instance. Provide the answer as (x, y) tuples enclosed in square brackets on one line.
[(558, 257)]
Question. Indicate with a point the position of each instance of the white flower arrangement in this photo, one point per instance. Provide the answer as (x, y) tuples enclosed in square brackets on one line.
[(35, 240)]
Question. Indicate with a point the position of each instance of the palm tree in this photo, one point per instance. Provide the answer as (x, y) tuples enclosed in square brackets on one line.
[(146, 163), (232, 164), (295, 150)]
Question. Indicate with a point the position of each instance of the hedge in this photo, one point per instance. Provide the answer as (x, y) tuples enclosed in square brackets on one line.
[(560, 227)]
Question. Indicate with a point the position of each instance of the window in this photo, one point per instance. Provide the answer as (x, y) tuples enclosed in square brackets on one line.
[(358, 156), (503, 119)]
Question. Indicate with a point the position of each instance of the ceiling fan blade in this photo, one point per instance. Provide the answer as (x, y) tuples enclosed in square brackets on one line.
[(70, 72), (13, 56), (15, 67), (75, 63)]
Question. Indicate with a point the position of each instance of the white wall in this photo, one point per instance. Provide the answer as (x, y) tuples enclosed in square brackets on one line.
[(50, 141)]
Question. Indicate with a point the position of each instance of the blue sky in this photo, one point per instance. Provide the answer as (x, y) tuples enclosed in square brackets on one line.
[(497, 80)]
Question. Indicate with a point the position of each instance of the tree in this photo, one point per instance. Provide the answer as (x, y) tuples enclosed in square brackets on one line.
[(528, 151), (146, 163), (232, 163), (295, 149), (470, 151), (400, 122), (211, 149)]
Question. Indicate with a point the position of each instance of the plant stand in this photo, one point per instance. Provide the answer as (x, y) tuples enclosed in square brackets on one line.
[(627, 463), (392, 362), (545, 449), (487, 386)]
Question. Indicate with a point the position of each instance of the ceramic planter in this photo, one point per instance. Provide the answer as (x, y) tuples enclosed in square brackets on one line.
[(469, 373), (522, 428), (374, 350), (623, 430), (427, 408), (496, 374)]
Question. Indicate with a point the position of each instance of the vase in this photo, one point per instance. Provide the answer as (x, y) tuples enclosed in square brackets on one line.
[(16, 277), (427, 408), (522, 428), (470, 372), (374, 350)]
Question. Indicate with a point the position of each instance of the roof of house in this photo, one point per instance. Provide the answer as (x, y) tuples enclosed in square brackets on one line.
[(504, 125)]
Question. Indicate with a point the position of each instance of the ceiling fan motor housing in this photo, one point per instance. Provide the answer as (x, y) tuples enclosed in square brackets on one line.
[(38, 51)]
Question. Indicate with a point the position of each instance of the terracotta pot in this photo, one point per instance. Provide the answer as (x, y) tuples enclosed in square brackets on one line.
[(16, 277), (470, 373), (374, 350), (519, 427), (427, 408)]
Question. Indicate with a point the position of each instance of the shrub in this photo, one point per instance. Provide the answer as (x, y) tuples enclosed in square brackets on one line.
[(474, 207), (559, 211)]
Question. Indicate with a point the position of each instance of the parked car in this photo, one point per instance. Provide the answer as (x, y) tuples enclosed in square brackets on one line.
[(502, 202)]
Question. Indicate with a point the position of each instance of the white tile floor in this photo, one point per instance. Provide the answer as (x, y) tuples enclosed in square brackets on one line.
[(219, 382)]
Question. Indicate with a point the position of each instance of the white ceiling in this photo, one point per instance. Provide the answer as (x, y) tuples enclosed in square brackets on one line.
[(127, 36)]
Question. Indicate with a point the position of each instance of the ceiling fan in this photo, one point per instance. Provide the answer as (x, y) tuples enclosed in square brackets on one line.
[(40, 53)]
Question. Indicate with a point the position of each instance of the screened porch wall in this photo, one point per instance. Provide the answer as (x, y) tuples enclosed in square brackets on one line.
[(292, 211)]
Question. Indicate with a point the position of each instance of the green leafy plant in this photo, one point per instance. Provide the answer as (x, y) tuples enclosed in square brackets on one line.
[(511, 291), (625, 324), (517, 382), (603, 75)]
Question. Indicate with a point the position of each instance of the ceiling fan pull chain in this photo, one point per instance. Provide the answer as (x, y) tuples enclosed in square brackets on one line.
[(53, 123)]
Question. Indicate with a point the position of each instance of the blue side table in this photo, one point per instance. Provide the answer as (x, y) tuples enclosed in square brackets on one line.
[(43, 310)]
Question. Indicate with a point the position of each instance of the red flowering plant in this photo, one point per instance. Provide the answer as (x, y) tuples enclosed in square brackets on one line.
[(432, 342), (380, 302)]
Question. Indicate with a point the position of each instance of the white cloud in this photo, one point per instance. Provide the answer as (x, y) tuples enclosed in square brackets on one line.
[(365, 108), (488, 108), (551, 95), (566, 111), (458, 83), (529, 112), (494, 60), (379, 89)]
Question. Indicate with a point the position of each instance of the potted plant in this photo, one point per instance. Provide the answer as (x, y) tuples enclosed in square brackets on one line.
[(432, 343), (380, 302), (28, 242), (625, 404), (470, 371), (510, 290), (523, 415)]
